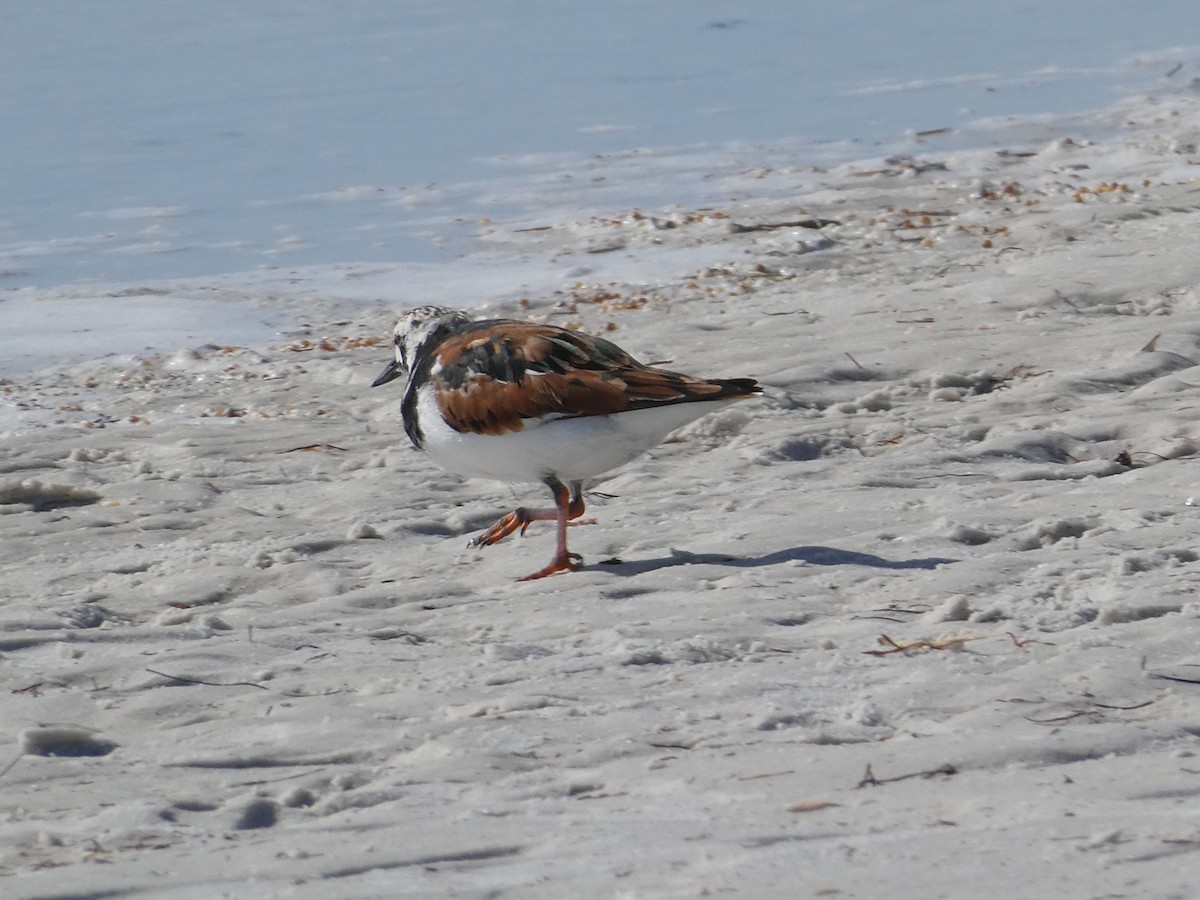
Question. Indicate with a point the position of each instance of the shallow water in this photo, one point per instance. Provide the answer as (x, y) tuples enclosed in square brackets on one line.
[(157, 141)]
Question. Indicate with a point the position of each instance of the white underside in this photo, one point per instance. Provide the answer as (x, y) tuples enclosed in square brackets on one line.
[(574, 449)]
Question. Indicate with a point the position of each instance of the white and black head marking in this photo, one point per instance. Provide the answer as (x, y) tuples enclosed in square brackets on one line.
[(413, 331)]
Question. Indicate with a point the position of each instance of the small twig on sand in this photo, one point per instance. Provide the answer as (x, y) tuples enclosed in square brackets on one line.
[(1180, 678), (9, 767), (894, 646), (311, 447), (1092, 711), (180, 678), (260, 781), (1059, 720), (1141, 705), (767, 775), (1025, 642), (735, 228), (869, 779)]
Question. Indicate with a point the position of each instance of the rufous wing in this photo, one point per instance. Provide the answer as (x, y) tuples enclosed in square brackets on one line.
[(490, 376)]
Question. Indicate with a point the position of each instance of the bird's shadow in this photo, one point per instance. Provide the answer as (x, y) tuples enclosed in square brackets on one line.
[(813, 556)]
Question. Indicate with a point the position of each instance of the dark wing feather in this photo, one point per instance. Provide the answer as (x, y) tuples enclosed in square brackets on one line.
[(490, 376)]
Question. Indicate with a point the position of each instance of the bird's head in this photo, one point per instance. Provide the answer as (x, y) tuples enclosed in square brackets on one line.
[(416, 328)]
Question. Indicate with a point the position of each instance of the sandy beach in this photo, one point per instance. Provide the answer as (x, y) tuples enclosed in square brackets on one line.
[(921, 621)]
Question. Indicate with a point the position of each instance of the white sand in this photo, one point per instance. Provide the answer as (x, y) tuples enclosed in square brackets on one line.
[(233, 587)]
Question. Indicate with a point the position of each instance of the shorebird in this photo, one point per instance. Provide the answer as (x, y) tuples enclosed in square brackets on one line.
[(525, 402)]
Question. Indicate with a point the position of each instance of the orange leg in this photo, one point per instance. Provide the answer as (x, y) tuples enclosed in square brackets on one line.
[(567, 505)]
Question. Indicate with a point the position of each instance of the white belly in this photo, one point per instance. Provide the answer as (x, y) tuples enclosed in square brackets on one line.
[(573, 449)]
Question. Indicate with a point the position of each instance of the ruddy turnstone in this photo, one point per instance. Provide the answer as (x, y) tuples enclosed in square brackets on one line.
[(522, 402)]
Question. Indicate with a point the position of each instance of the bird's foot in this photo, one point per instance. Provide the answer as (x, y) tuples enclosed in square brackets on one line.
[(506, 525), (519, 519), (564, 561)]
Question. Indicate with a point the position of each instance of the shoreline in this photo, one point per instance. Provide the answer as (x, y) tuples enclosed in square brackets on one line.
[(746, 175)]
